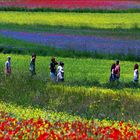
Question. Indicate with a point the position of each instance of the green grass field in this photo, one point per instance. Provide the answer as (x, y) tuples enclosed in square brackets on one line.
[(85, 93)]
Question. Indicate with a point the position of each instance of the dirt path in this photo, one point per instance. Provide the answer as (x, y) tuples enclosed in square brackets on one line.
[(78, 42)]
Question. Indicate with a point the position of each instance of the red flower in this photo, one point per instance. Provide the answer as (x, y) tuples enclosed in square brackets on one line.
[(43, 137)]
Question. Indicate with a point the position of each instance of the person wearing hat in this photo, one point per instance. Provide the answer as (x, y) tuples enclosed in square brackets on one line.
[(8, 66)]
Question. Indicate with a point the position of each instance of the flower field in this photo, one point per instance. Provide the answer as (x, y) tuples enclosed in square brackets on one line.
[(99, 4), (74, 31), (12, 128), (84, 107), (72, 20)]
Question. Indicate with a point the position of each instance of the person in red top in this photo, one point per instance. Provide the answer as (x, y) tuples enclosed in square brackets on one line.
[(117, 70)]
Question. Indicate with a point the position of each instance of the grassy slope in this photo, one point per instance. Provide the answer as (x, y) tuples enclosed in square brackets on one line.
[(85, 92)]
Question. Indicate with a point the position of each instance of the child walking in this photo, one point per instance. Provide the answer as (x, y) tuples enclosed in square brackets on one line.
[(8, 66), (32, 65), (60, 72), (136, 73)]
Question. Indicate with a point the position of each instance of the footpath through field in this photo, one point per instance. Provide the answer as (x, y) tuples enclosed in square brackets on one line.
[(78, 42)]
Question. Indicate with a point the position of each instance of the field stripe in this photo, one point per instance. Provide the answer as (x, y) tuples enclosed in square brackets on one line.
[(122, 4), (78, 42)]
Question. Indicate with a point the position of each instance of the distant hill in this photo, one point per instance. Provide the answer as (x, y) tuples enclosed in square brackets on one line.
[(73, 4)]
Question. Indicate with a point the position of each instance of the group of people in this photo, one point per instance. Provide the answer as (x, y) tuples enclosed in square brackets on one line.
[(115, 72), (57, 73)]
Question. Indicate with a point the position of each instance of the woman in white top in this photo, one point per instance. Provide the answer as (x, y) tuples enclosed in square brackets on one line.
[(136, 73), (60, 72)]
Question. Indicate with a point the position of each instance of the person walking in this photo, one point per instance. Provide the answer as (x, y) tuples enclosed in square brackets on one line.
[(32, 65), (136, 73), (53, 69), (60, 72), (8, 66), (112, 76), (117, 70)]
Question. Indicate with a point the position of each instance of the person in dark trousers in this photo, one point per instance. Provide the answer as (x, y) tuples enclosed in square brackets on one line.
[(53, 69), (112, 76), (117, 70), (136, 73), (32, 65)]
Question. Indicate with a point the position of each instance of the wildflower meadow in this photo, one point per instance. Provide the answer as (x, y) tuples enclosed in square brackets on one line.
[(86, 105)]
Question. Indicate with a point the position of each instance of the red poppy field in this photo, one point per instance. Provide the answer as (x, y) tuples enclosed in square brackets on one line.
[(72, 4), (13, 128)]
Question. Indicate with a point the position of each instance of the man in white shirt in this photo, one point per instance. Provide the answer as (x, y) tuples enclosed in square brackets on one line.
[(8, 66)]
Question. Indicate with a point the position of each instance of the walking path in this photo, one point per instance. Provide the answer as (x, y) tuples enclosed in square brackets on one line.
[(78, 42)]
